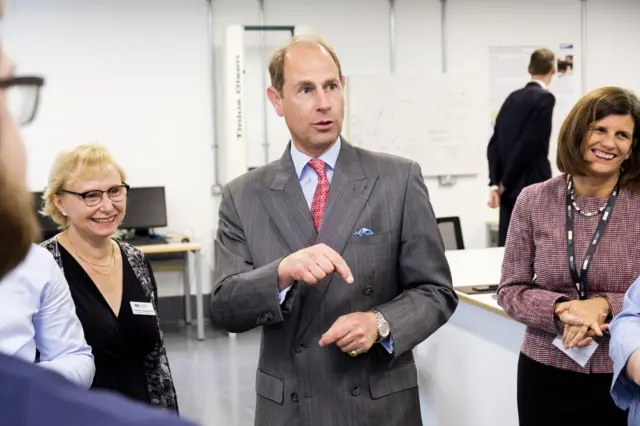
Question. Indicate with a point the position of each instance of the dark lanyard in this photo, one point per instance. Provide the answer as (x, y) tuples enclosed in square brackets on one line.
[(580, 280)]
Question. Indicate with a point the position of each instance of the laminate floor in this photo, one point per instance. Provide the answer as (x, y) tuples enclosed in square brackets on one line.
[(215, 378)]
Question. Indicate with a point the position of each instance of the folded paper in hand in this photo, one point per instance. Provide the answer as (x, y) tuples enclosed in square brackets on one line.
[(579, 355)]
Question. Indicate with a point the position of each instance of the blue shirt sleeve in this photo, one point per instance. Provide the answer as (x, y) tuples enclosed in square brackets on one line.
[(388, 344), (58, 333), (625, 340), (283, 294)]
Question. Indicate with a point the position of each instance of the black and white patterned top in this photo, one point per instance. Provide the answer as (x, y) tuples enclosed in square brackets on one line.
[(160, 385)]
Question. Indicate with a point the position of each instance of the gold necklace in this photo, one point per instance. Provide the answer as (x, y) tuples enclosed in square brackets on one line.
[(110, 265)]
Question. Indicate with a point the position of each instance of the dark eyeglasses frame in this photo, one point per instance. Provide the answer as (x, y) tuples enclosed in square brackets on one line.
[(25, 80), (84, 195)]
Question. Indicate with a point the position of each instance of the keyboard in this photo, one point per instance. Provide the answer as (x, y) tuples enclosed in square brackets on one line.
[(141, 241)]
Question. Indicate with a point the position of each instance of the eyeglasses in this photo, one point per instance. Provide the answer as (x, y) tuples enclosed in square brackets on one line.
[(23, 97), (94, 197)]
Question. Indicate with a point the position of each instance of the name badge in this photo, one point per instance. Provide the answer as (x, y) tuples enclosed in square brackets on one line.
[(142, 308)]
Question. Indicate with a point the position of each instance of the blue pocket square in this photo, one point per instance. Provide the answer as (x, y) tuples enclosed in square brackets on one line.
[(362, 232)]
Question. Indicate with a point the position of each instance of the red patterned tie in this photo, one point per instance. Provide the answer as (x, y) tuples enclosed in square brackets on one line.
[(321, 194)]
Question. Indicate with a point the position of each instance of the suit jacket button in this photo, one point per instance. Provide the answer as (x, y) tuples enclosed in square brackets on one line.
[(269, 316), (368, 290), (355, 391), (299, 348), (294, 397)]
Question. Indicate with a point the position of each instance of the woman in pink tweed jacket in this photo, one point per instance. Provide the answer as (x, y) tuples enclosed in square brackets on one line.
[(571, 253)]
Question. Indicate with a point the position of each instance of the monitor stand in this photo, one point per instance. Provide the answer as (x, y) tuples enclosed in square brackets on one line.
[(142, 232), (144, 236)]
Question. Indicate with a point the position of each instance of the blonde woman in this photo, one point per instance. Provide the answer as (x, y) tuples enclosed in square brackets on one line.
[(111, 283)]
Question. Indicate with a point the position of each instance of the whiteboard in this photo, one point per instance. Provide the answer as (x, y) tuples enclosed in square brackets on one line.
[(441, 121)]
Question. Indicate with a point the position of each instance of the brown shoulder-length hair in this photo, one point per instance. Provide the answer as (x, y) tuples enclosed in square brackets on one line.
[(595, 106)]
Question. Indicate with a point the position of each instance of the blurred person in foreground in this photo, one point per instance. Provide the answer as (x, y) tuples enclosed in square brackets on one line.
[(38, 320), (624, 350)]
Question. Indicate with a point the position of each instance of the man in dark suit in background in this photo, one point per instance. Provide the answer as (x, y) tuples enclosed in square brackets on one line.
[(519, 148), (335, 252)]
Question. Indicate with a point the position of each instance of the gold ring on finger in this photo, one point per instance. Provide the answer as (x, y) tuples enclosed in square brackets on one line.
[(353, 354)]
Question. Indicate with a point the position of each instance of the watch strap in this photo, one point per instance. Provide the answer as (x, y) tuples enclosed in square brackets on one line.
[(380, 320)]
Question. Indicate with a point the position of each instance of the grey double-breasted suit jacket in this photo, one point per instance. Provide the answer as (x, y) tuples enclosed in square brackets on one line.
[(400, 270)]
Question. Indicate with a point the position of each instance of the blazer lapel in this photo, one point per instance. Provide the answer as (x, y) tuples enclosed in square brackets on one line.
[(350, 189), (348, 194), (285, 203)]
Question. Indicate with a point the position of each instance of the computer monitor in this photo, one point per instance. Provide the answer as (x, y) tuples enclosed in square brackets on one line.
[(47, 226), (146, 208)]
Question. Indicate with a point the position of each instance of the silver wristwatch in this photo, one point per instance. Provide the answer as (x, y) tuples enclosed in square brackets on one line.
[(383, 326)]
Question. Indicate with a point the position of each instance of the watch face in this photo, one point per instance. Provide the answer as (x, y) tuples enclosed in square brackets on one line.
[(383, 329)]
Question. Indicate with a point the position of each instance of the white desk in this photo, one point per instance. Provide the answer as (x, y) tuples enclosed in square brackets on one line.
[(192, 260), (468, 369), (477, 267)]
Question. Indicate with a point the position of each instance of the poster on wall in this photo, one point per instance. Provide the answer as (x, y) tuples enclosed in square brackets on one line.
[(564, 82), (508, 72)]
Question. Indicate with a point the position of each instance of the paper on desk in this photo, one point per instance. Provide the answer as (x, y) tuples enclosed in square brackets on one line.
[(579, 355)]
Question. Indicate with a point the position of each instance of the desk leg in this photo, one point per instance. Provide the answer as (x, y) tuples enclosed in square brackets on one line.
[(199, 312), (186, 283)]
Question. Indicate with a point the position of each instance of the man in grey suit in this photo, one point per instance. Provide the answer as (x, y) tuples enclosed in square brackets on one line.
[(334, 250)]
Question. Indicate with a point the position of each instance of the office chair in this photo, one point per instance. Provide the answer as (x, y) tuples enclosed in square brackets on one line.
[(451, 232)]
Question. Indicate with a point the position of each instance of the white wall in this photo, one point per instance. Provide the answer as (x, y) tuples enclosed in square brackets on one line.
[(359, 31), (613, 55), (473, 26), (134, 74)]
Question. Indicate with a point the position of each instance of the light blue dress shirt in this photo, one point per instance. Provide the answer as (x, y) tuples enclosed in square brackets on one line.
[(308, 179), (625, 339), (37, 312)]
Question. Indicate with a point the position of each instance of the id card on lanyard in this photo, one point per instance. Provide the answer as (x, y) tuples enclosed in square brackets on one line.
[(580, 279)]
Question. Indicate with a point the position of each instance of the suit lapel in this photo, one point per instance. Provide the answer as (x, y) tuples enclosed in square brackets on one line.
[(350, 189), (285, 203)]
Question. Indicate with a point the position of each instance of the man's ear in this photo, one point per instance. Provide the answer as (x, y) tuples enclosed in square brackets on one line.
[(343, 81), (275, 99)]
